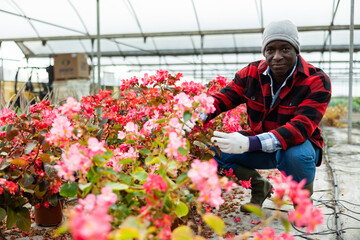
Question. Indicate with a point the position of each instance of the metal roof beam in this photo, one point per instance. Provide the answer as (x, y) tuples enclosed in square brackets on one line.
[(207, 63), (175, 34), (184, 52)]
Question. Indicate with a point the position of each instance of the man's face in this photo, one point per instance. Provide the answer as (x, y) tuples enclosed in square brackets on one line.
[(281, 58)]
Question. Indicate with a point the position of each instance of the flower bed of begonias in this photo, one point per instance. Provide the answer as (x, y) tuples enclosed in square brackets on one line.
[(134, 174)]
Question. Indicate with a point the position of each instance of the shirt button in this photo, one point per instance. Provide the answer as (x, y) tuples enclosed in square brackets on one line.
[(252, 98)]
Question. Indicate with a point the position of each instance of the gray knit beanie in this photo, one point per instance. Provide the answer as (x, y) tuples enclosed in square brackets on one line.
[(281, 30)]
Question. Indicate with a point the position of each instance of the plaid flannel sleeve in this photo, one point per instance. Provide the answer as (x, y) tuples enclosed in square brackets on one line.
[(269, 142)]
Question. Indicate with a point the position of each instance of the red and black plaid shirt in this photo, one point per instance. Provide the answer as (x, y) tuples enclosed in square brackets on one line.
[(295, 115)]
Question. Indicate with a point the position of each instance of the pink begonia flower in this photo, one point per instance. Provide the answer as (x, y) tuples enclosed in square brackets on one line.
[(174, 125), (94, 225), (48, 116), (87, 204), (107, 197), (200, 170), (90, 219), (285, 236), (119, 154), (206, 103), (7, 116), (121, 135), (269, 233), (305, 213), (245, 184), (182, 102), (11, 187), (72, 160), (203, 175), (71, 107), (174, 143), (149, 126), (132, 127), (61, 131), (155, 183), (95, 147)]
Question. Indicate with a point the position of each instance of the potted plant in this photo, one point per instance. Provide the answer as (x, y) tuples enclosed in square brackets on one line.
[(27, 163)]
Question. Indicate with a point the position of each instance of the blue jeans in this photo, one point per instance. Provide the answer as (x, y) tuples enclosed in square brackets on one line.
[(299, 161)]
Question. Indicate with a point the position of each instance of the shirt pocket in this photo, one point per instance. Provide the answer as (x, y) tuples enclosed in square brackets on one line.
[(255, 112), (285, 114)]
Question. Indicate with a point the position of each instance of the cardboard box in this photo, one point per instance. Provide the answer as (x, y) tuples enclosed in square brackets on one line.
[(70, 66)]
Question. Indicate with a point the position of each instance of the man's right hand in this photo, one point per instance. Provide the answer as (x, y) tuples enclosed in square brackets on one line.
[(188, 126)]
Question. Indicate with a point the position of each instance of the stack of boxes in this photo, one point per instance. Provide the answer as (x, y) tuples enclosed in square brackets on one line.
[(71, 77)]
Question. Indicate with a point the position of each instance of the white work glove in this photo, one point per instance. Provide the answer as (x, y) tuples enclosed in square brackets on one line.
[(189, 125), (231, 142)]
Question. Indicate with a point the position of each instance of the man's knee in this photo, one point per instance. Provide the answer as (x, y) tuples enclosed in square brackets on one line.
[(298, 161)]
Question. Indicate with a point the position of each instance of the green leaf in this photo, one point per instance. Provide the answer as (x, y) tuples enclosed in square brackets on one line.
[(141, 176), (160, 120), (92, 174), (11, 217), (2, 214), (216, 223), (4, 164), (181, 209), (27, 180), (187, 115), (145, 151), (285, 222), (90, 128), (183, 151), (163, 159), (108, 154), (182, 233), (125, 178), (117, 186), (54, 200), (23, 219), (69, 189), (45, 157), (181, 178), (30, 146), (50, 170), (18, 161), (125, 161), (85, 188), (148, 159), (130, 141), (8, 128), (126, 233), (254, 209), (99, 159), (12, 134)]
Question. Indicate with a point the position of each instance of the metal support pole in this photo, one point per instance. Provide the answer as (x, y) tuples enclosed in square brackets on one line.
[(98, 44), (202, 58), (351, 52), (2, 75)]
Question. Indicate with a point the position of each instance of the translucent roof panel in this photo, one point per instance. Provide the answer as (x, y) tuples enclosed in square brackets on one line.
[(165, 15), (304, 13), (197, 37), (230, 14), (219, 41), (248, 40)]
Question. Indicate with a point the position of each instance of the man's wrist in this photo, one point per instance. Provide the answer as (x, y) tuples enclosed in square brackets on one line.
[(254, 143)]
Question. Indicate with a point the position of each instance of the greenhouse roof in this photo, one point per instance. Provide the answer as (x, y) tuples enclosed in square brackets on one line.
[(191, 36)]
